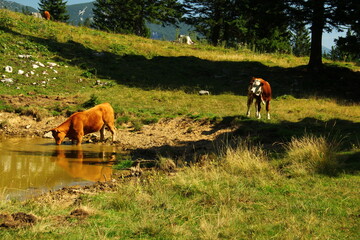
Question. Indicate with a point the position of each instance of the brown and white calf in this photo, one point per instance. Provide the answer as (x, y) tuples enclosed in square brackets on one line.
[(260, 90)]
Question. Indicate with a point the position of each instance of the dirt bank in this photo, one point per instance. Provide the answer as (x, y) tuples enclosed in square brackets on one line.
[(166, 132)]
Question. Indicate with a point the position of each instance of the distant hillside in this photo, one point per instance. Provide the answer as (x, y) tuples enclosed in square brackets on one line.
[(169, 32), (325, 50), (79, 13), (16, 7)]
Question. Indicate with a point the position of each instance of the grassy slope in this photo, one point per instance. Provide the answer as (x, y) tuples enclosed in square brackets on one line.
[(148, 79)]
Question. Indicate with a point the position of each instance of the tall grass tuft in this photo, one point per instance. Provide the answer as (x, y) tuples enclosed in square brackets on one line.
[(247, 159), (310, 154)]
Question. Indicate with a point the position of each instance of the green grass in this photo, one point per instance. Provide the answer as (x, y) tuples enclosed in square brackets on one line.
[(241, 194), (295, 176)]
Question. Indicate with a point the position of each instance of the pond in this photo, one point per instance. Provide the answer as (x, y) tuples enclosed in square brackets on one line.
[(31, 166)]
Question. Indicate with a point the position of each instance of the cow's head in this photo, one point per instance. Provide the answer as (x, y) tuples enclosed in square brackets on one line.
[(59, 136), (255, 86)]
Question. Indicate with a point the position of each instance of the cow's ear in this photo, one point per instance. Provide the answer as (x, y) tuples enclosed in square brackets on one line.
[(54, 130)]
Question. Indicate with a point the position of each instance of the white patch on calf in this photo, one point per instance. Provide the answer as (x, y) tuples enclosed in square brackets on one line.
[(256, 87)]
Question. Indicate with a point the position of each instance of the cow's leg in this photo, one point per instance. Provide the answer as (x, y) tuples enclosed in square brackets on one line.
[(112, 129), (268, 109), (249, 102), (79, 138), (258, 108), (102, 133)]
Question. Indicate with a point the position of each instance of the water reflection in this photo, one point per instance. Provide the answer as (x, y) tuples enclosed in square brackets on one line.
[(91, 166), (32, 165)]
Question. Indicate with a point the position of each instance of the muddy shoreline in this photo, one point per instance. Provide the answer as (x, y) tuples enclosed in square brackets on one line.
[(178, 138)]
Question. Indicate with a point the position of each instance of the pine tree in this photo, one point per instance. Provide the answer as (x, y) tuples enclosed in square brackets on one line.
[(255, 23), (321, 15), (56, 8), (130, 16), (301, 41), (347, 48)]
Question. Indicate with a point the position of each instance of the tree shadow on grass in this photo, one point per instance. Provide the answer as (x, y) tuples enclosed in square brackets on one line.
[(271, 136), (192, 74)]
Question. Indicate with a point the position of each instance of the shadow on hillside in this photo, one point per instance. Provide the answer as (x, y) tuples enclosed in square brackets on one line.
[(272, 137), (191, 74)]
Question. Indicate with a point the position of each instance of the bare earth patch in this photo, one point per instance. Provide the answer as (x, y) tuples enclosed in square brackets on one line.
[(171, 132)]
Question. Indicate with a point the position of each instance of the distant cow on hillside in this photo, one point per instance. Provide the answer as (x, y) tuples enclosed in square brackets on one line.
[(81, 123), (36, 14), (260, 90), (185, 39), (47, 15)]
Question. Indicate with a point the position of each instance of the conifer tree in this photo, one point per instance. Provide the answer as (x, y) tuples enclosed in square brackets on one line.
[(130, 16), (322, 15), (254, 23), (301, 41), (56, 8)]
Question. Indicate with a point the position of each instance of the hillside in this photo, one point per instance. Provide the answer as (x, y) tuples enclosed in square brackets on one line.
[(193, 166), (156, 79), (13, 6), (81, 13)]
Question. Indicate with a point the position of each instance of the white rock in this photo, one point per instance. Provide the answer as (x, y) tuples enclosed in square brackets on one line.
[(35, 66), (51, 64), (8, 69), (21, 72), (24, 56), (7, 80), (48, 135), (40, 64)]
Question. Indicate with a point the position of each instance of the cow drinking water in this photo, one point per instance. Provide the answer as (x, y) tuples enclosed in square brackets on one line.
[(81, 123), (260, 90)]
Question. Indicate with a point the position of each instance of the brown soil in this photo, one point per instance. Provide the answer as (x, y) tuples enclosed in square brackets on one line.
[(166, 132), (17, 220)]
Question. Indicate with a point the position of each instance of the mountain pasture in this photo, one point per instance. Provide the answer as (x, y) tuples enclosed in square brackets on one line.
[(295, 176)]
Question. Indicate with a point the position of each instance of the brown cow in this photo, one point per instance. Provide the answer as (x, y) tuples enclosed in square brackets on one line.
[(260, 90), (47, 15), (81, 123)]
